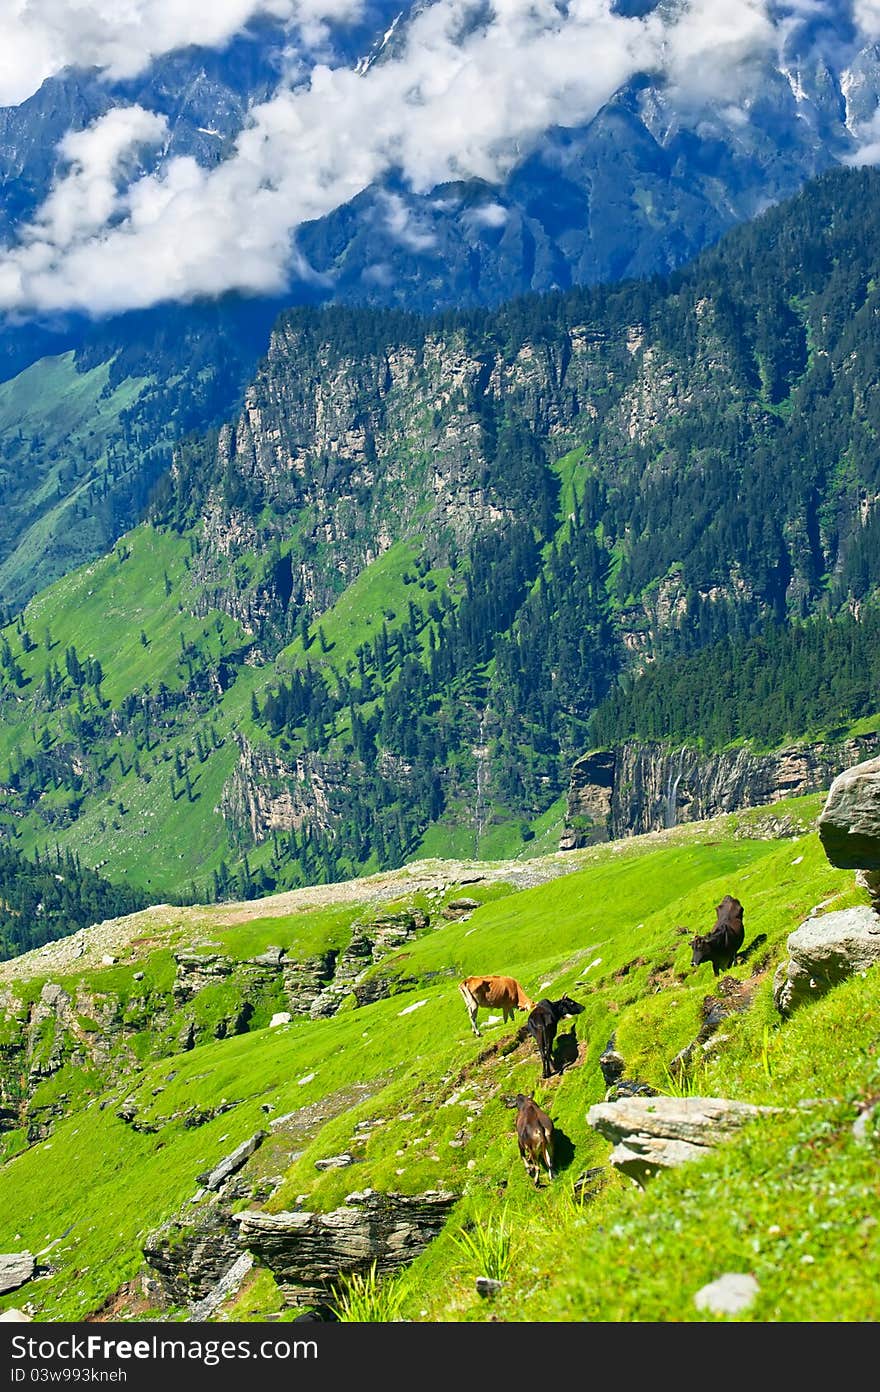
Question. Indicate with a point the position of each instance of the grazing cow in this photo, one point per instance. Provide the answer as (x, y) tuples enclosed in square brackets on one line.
[(542, 1024), (493, 993), (721, 945), (534, 1132)]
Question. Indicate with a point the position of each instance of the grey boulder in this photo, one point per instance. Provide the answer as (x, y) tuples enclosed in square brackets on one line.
[(824, 951)]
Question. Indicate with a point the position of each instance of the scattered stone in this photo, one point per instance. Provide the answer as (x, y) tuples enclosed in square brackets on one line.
[(866, 1127), (487, 1286), (13, 1316), (228, 1285), (129, 1112), (613, 1066), (459, 908), (733, 997), (108, 960), (729, 1295), (417, 1005), (283, 1017), (870, 880), (824, 951), (611, 1063), (629, 1087), (138, 976), (271, 957), (588, 1184), (232, 1163), (281, 1120), (16, 1268), (335, 1162)]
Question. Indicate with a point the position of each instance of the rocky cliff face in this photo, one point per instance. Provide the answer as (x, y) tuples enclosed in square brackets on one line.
[(636, 788), (356, 447), (267, 793), (307, 1252), (367, 447)]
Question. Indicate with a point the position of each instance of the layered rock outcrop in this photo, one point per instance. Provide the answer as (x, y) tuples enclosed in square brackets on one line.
[(849, 823), (639, 787), (82, 1027), (307, 1252), (657, 1133), (16, 1269)]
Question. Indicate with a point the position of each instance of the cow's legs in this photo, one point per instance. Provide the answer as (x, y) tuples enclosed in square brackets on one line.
[(471, 1008), (548, 1160)]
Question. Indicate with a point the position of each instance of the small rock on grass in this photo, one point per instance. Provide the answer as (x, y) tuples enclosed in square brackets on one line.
[(487, 1286), (729, 1295)]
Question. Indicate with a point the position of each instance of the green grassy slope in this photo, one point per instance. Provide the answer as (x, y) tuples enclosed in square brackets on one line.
[(791, 1200), (99, 785), (68, 422)]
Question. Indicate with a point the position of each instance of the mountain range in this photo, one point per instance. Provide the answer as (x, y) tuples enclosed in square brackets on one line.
[(624, 179), (439, 535), (382, 610)]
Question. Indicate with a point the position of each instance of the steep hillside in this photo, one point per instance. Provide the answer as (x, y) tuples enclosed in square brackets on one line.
[(138, 1055), (89, 427), (378, 614)]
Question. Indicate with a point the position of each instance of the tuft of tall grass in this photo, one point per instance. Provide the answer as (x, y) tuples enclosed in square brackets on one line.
[(362, 1298), (684, 1082), (490, 1244)]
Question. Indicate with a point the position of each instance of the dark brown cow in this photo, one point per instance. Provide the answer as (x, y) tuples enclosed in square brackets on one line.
[(542, 1023), (502, 993), (534, 1133), (721, 945)]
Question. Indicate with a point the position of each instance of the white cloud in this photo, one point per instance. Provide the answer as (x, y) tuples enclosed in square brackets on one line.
[(869, 149), (403, 227), (121, 37), (706, 55), (867, 16), (454, 102), (489, 215)]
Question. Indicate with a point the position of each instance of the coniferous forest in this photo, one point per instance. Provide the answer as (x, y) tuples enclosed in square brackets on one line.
[(45, 899)]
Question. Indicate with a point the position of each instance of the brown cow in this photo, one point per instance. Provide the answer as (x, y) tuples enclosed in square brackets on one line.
[(534, 1133), (721, 945), (493, 993)]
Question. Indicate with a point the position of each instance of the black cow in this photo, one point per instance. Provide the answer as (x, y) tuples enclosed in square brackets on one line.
[(534, 1133), (542, 1023), (721, 945)]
